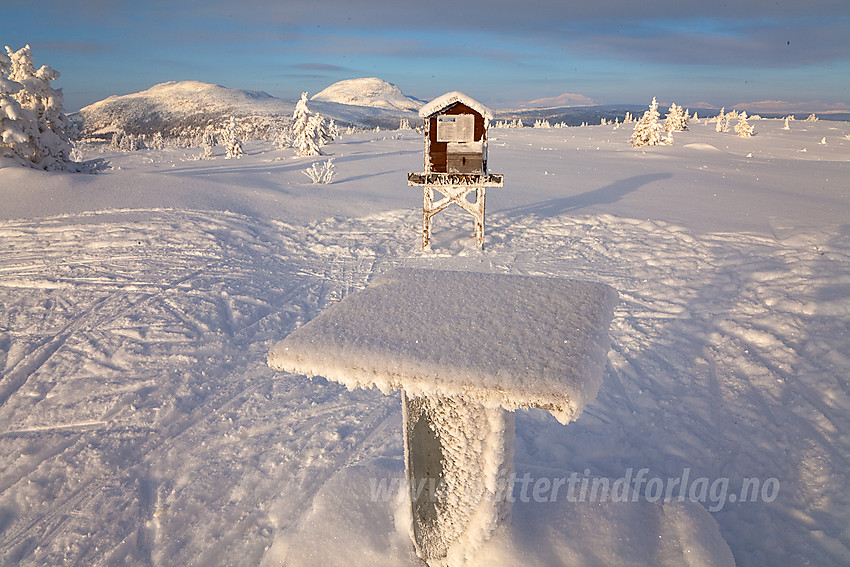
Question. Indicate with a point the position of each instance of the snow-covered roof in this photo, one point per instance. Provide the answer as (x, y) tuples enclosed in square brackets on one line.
[(499, 340), (449, 99)]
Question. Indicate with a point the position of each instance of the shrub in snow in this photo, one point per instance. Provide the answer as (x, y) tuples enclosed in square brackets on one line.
[(321, 174), (676, 120), (648, 130), (232, 143), (33, 129), (811, 118), (743, 128)]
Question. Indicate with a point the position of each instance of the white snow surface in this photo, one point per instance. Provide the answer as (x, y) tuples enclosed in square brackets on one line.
[(372, 92), (451, 98), (140, 423), (176, 99), (500, 340)]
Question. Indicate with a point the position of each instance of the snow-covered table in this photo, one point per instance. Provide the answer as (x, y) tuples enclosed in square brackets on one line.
[(466, 349)]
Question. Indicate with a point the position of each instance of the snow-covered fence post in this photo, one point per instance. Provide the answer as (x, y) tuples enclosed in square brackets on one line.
[(459, 392), (455, 160)]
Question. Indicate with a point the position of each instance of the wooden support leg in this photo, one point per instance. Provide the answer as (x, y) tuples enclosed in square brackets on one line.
[(459, 464), (479, 217), (427, 205)]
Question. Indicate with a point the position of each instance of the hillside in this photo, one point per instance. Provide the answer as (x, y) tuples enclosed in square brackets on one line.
[(188, 107), (370, 92), (174, 107)]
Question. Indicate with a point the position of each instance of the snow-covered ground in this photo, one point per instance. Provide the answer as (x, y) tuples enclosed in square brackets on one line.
[(140, 423)]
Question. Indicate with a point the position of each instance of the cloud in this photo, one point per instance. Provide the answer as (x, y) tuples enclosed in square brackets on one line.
[(81, 47), (566, 99), (319, 67)]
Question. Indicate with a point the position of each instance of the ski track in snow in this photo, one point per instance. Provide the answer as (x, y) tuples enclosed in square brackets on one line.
[(141, 424)]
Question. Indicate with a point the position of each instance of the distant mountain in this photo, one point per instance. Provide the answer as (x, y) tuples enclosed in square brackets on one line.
[(571, 115), (187, 108), (564, 100), (175, 107), (369, 92)]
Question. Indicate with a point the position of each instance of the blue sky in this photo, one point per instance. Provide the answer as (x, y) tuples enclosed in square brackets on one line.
[(788, 55)]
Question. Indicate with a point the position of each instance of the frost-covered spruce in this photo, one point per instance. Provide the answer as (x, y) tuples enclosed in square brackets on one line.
[(718, 120), (232, 143), (676, 120), (208, 142), (306, 133), (743, 128), (648, 130), (33, 129), (157, 142)]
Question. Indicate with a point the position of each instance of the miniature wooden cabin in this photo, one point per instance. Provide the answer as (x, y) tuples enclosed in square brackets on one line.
[(456, 140), (455, 159)]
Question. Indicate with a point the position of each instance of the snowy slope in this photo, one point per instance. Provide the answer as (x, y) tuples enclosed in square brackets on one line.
[(174, 105), (139, 422), (369, 92)]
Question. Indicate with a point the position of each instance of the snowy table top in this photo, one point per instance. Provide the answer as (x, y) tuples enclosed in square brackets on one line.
[(499, 340)]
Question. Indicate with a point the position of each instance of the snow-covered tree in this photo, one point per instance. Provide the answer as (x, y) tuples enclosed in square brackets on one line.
[(33, 129), (743, 128), (157, 142), (115, 142), (787, 125), (208, 142), (676, 120), (720, 122), (282, 137), (307, 130), (232, 143), (648, 130), (333, 130), (300, 116), (404, 124), (812, 118)]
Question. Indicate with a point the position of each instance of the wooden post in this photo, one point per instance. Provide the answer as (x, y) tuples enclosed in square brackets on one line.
[(459, 466), (427, 205), (479, 217)]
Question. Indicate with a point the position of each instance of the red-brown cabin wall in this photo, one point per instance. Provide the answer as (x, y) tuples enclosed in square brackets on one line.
[(438, 151)]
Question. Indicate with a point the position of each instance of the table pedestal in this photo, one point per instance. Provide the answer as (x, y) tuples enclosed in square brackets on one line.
[(459, 467)]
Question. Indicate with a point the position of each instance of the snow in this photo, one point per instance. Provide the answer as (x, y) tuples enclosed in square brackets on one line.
[(371, 92), (182, 105), (140, 423), (450, 98), (432, 332)]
